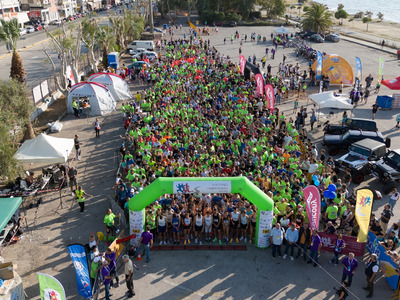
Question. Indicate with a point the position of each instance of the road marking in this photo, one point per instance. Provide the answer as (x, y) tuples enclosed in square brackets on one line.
[(35, 57), (180, 286)]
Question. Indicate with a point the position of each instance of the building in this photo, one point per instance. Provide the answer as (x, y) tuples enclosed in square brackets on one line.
[(43, 10), (66, 8), (10, 9), (94, 5)]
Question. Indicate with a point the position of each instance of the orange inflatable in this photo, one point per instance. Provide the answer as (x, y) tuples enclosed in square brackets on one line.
[(337, 69)]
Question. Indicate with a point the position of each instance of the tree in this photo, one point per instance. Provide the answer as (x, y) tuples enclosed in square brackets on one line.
[(317, 19), (352, 20), (366, 20), (107, 40), (306, 8), (359, 15), (380, 16), (340, 15), (340, 6), (369, 14), (274, 8), (89, 29), (9, 34)]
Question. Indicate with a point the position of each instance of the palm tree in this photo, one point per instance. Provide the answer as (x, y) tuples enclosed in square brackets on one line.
[(317, 19), (107, 40), (9, 34)]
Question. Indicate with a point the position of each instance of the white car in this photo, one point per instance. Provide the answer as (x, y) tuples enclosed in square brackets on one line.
[(22, 31), (150, 55), (30, 29), (137, 51)]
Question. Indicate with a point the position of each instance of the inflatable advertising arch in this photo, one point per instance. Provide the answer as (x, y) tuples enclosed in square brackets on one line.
[(337, 69), (200, 185)]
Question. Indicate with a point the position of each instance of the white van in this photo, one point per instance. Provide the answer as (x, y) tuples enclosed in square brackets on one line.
[(148, 45)]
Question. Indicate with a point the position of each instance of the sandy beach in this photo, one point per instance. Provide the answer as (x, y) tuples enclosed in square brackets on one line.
[(384, 29)]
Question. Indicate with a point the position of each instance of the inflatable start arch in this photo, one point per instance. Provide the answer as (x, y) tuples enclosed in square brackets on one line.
[(200, 185)]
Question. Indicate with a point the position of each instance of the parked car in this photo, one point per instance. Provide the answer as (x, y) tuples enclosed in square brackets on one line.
[(138, 65), (70, 18), (138, 50), (150, 55), (38, 27), (351, 123), (333, 37), (79, 15), (219, 23), (30, 29), (387, 170), (22, 31), (155, 29), (317, 38), (230, 24), (44, 25), (359, 158), (337, 142), (55, 22)]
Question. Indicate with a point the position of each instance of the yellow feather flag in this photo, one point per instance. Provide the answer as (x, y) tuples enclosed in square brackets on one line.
[(363, 213)]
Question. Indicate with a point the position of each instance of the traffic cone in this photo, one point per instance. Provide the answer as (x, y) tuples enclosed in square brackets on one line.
[(139, 257)]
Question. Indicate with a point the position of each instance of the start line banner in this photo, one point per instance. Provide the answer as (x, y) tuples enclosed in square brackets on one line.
[(328, 244), (202, 187)]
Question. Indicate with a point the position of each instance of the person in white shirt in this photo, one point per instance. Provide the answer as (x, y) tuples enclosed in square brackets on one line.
[(291, 236), (276, 236), (128, 275)]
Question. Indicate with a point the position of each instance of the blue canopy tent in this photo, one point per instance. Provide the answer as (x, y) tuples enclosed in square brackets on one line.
[(8, 207)]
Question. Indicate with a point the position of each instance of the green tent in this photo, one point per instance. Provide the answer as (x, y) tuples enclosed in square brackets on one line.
[(8, 206)]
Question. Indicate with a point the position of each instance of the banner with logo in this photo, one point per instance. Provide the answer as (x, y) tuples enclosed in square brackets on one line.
[(328, 244), (242, 63), (269, 93), (363, 213), (78, 256), (202, 187), (387, 265), (380, 70), (318, 70), (50, 288), (313, 205), (358, 68), (264, 225), (260, 84), (136, 222)]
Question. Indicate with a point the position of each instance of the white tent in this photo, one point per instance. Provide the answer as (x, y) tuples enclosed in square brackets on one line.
[(327, 99), (117, 86), (45, 149), (100, 99), (282, 30)]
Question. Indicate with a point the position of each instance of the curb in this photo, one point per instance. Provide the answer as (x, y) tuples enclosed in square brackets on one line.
[(362, 42)]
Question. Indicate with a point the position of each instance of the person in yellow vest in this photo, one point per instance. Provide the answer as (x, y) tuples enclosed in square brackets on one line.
[(80, 198), (75, 107)]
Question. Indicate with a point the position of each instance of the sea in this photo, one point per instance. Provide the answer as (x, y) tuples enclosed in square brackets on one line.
[(389, 9)]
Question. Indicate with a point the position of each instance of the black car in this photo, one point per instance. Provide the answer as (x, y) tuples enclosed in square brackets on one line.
[(351, 123), (337, 142), (387, 170)]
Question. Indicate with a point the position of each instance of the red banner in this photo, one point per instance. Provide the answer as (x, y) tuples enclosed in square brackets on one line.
[(313, 205), (125, 239), (328, 244), (242, 63), (260, 84), (269, 93)]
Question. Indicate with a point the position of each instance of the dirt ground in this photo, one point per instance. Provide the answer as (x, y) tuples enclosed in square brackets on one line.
[(53, 113)]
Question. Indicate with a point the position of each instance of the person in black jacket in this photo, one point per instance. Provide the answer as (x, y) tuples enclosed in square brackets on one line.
[(304, 240), (371, 269)]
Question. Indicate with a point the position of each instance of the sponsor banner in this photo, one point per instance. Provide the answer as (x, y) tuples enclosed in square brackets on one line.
[(313, 205), (242, 63), (321, 86), (269, 93), (260, 84), (328, 244), (202, 187), (136, 221), (358, 68), (388, 267), (363, 213), (50, 288), (380, 70), (264, 224), (78, 256), (125, 239), (318, 70)]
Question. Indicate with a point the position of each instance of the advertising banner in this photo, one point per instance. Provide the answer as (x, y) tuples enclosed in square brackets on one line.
[(328, 244), (136, 221), (78, 256), (264, 224), (313, 205), (336, 68), (202, 187), (50, 288), (242, 63), (387, 265), (363, 213), (318, 70), (260, 84), (380, 70), (269, 93), (358, 68)]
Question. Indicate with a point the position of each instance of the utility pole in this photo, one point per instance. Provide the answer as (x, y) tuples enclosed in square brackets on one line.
[(150, 16)]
